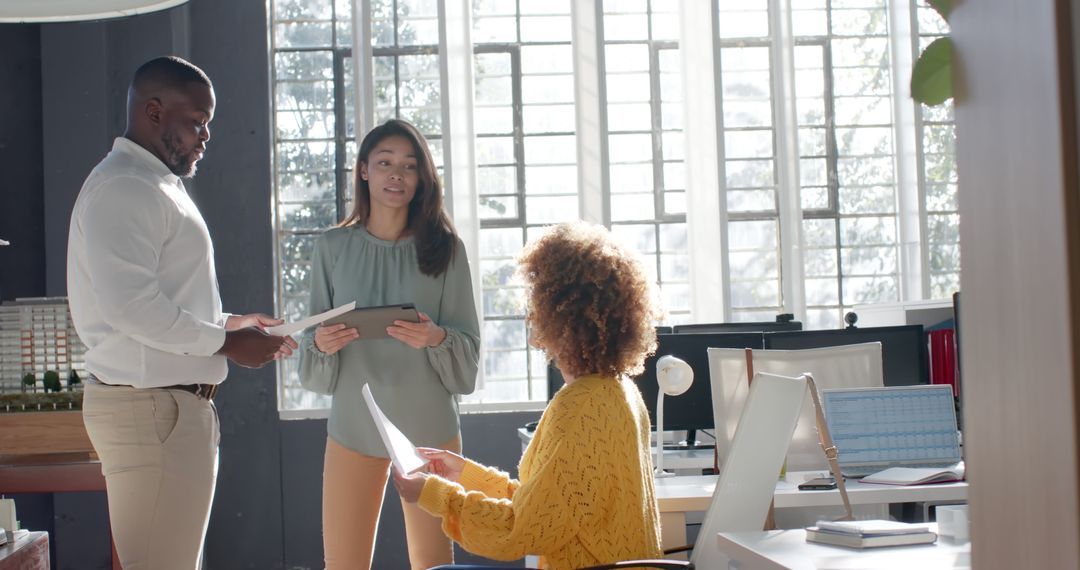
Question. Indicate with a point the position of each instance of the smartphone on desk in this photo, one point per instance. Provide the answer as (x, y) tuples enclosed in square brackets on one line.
[(818, 484)]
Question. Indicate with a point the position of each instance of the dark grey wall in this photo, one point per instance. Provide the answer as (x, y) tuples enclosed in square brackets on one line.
[(267, 509), (22, 216)]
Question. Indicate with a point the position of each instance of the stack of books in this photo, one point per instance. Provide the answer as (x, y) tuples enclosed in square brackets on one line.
[(869, 534)]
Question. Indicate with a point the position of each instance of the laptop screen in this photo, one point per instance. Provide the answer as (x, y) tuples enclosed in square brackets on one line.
[(904, 425)]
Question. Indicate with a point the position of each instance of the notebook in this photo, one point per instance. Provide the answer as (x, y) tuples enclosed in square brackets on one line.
[(902, 426)]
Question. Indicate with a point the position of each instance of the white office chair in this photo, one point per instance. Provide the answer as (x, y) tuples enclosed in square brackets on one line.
[(747, 480), (850, 366)]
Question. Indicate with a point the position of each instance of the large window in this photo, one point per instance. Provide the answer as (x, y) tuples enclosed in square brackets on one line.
[(820, 209), (846, 157), (524, 122), (937, 145), (646, 195), (750, 163), (314, 141)]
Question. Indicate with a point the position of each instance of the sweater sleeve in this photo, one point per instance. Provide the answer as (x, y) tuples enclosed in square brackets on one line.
[(457, 358), (316, 367), (545, 512), (487, 480)]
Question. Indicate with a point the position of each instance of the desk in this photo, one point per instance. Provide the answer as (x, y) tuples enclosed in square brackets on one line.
[(27, 551), (677, 496), (674, 459), (788, 550), (52, 473)]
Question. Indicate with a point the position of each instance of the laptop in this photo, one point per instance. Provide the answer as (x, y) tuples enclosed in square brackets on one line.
[(901, 426)]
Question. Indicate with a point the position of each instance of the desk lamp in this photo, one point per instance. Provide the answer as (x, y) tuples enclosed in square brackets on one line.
[(674, 377), (21, 11)]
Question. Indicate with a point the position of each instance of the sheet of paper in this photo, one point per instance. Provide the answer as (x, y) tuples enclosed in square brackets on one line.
[(297, 326), (402, 452)]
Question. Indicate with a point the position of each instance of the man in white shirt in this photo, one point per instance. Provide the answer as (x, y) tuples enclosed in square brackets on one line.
[(145, 302)]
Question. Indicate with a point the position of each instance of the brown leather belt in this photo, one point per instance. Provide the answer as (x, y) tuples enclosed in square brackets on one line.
[(204, 391)]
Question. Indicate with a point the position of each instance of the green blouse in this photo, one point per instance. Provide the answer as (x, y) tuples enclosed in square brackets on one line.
[(416, 389)]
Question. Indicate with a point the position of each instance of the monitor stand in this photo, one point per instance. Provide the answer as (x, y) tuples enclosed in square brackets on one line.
[(690, 442)]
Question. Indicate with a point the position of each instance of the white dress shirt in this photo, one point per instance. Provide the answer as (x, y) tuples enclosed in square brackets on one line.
[(140, 276)]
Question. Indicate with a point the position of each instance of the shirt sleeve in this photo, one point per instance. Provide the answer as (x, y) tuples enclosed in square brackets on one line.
[(457, 358), (544, 513), (125, 229), (314, 363)]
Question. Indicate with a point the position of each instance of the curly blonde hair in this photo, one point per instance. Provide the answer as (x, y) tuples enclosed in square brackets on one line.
[(591, 307)]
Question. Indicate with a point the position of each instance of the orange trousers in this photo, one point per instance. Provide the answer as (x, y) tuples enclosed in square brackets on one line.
[(353, 489)]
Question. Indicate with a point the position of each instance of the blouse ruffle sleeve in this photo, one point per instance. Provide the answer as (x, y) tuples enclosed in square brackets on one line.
[(318, 370), (457, 358)]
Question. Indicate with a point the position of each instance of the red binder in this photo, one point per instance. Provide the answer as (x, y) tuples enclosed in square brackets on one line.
[(942, 345)]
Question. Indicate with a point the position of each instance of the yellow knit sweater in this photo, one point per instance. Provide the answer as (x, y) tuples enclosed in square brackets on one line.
[(586, 491)]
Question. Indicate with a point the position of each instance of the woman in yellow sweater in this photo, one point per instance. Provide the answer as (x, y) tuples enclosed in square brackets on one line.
[(585, 496)]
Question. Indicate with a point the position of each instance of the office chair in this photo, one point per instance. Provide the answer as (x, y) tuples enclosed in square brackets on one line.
[(659, 564), (662, 564), (848, 366)]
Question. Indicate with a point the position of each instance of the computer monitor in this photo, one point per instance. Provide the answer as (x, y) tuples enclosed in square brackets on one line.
[(757, 326), (904, 357), (693, 409)]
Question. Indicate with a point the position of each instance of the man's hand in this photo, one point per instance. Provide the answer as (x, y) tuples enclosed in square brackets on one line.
[(261, 321), (331, 338), (258, 320), (418, 335), (409, 487), (252, 348), (445, 464)]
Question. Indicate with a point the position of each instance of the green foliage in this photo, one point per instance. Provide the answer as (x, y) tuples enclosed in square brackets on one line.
[(52, 381), (29, 380), (931, 78), (31, 402), (943, 7), (73, 380)]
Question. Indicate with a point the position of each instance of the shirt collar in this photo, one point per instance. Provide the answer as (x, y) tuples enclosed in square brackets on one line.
[(128, 146)]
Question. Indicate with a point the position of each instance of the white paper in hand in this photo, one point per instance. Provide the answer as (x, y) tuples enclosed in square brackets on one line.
[(295, 327), (402, 452)]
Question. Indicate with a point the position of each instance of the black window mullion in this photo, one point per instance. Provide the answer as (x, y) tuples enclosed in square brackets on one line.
[(340, 130)]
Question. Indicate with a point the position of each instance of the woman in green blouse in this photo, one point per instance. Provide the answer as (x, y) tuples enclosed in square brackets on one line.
[(397, 246)]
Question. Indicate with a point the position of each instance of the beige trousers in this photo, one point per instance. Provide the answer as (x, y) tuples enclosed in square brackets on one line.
[(159, 455), (353, 488)]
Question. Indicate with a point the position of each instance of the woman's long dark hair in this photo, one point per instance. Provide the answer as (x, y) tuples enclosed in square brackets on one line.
[(434, 232)]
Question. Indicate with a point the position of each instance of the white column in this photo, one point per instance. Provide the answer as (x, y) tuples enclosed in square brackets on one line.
[(786, 127), (588, 100), (363, 71), (459, 152), (706, 208), (907, 127)]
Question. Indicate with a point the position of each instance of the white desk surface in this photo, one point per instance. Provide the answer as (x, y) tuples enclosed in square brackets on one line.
[(693, 493), (788, 550)]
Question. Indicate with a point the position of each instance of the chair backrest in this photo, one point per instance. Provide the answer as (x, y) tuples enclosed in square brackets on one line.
[(747, 480), (849, 366)]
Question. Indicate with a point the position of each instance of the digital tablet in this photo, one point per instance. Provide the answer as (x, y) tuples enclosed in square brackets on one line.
[(371, 322)]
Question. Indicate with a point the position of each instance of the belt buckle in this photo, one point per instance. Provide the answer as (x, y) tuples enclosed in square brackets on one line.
[(206, 391)]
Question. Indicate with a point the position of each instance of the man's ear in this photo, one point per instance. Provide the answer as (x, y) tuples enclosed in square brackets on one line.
[(153, 109)]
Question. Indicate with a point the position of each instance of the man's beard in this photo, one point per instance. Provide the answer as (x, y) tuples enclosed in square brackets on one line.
[(180, 163)]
